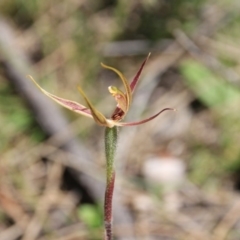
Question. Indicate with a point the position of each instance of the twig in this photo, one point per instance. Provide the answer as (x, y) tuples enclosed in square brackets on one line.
[(228, 221), (51, 190), (211, 62), (11, 233)]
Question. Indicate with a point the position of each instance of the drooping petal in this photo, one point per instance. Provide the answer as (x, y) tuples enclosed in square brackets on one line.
[(74, 106), (136, 78), (122, 124), (98, 117), (119, 96), (125, 83)]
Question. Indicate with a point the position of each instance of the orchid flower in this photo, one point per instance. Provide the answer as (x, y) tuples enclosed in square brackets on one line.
[(123, 99)]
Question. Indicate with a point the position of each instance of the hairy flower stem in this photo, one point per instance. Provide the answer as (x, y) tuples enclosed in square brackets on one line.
[(111, 135)]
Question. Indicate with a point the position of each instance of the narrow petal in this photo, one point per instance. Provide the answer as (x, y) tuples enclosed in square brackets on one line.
[(74, 106), (122, 124), (98, 117), (136, 78), (125, 83)]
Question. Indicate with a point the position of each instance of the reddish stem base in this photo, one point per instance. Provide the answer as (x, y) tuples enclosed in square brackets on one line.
[(108, 208)]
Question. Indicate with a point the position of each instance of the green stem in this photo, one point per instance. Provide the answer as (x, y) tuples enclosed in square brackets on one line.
[(111, 135)]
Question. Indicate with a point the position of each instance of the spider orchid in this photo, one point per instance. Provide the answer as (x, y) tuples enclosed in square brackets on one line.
[(123, 101)]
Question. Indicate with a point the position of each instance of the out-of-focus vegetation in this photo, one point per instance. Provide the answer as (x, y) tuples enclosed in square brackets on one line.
[(198, 44)]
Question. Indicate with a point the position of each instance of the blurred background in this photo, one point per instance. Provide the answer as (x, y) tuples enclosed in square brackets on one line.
[(177, 176)]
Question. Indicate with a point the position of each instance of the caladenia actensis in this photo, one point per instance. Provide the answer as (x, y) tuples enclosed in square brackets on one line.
[(123, 100)]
